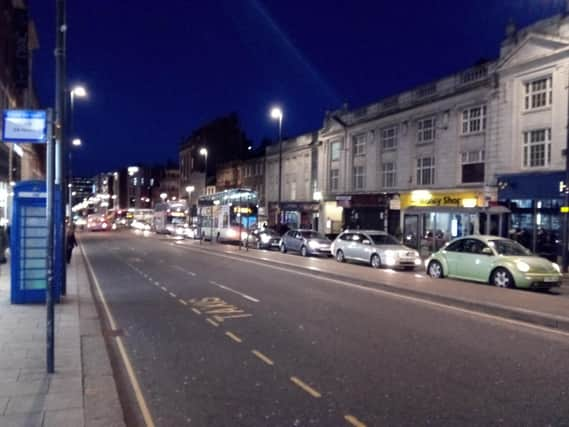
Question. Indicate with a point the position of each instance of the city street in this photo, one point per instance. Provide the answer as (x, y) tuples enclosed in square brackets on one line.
[(220, 340)]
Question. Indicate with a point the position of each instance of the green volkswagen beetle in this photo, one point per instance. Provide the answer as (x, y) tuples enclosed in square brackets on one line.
[(495, 260)]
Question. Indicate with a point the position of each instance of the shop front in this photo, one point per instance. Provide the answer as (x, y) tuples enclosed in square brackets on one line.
[(430, 219), (535, 200), (370, 211), (297, 214)]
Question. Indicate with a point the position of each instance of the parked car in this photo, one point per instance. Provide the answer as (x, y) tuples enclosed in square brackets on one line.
[(263, 239), (307, 242), (495, 260), (377, 248)]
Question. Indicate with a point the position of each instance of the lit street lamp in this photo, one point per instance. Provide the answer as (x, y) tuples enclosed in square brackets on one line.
[(277, 114), (163, 196), (203, 152), (79, 92), (76, 142)]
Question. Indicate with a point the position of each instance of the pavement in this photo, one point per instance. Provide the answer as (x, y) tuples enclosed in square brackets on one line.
[(221, 338), (82, 391)]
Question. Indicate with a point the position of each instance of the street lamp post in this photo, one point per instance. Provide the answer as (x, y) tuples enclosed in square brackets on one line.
[(277, 114), (203, 152), (79, 92)]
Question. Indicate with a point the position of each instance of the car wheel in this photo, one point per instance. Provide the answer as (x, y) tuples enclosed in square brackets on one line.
[(435, 270), (283, 248), (502, 278), (303, 251), (340, 256), (375, 261)]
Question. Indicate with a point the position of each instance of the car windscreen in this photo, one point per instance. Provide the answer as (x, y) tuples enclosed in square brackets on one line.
[(508, 247), (312, 235), (384, 239)]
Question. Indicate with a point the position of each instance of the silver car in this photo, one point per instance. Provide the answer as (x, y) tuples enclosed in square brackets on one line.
[(377, 248), (307, 242)]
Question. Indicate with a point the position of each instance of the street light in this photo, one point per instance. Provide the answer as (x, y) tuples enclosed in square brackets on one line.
[(277, 114), (79, 92), (76, 142), (203, 152), (163, 196)]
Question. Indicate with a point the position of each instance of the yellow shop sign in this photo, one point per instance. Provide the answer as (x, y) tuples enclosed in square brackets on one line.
[(451, 199)]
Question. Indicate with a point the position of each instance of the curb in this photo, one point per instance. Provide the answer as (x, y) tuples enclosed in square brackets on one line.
[(102, 404)]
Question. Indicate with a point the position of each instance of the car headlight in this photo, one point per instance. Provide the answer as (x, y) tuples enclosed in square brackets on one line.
[(313, 244), (416, 254), (389, 253), (556, 267), (417, 261), (265, 238), (522, 266)]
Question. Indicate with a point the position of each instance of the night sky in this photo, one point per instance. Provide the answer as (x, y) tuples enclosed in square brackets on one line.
[(156, 70)]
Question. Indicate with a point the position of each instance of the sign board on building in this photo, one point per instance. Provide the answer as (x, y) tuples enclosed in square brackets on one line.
[(25, 126), (564, 209)]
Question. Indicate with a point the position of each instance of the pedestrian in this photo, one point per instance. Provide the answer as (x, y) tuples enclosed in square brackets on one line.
[(71, 242)]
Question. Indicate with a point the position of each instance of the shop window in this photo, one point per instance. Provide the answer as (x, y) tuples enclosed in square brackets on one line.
[(425, 171), (537, 148)]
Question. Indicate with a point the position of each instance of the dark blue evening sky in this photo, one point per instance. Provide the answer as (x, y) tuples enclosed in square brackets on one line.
[(157, 70)]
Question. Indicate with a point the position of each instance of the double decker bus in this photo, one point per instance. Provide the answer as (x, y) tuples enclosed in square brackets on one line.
[(169, 216), (226, 216)]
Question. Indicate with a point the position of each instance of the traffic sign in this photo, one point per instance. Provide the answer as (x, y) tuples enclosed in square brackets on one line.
[(25, 126)]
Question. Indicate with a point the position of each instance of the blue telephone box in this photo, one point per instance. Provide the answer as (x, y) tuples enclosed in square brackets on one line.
[(28, 244)]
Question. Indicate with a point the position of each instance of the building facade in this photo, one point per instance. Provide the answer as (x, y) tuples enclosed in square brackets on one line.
[(299, 205)]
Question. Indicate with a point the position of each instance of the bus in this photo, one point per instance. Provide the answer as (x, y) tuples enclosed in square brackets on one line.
[(226, 216), (169, 217)]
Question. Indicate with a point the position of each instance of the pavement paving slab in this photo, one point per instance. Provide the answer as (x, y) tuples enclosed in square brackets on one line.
[(29, 397)]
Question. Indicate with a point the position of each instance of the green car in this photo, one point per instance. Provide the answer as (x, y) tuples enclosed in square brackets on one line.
[(494, 260)]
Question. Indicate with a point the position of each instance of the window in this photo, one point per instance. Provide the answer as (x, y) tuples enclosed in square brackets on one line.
[(425, 130), (472, 166), (335, 150), (359, 178), (537, 148), (389, 174), (334, 179), (426, 171), (474, 120), (389, 138), (293, 190), (538, 93), (360, 145), (455, 246)]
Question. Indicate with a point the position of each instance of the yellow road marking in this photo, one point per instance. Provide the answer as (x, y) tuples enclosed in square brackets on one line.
[(354, 421), (173, 295), (122, 350), (183, 302), (163, 288), (263, 357), (195, 310), (211, 322), (305, 387), (233, 336)]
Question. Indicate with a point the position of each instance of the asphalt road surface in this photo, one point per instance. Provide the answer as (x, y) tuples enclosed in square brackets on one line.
[(220, 341)]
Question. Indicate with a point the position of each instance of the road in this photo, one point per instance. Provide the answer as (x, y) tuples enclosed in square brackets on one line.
[(216, 340)]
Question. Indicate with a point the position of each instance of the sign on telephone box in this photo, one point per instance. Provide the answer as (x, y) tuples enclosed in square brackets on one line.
[(28, 243)]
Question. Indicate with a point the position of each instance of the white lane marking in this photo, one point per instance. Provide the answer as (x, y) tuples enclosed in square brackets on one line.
[(227, 288), (394, 295), (177, 267), (122, 349)]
